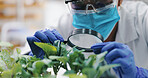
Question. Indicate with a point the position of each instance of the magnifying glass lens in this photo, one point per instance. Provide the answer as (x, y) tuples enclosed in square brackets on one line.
[(84, 40)]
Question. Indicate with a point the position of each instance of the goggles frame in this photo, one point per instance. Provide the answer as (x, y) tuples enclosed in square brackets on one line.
[(67, 1), (93, 10)]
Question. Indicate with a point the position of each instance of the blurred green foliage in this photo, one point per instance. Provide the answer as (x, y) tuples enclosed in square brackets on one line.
[(15, 65)]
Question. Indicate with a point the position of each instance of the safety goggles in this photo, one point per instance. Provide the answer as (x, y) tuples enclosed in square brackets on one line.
[(90, 6)]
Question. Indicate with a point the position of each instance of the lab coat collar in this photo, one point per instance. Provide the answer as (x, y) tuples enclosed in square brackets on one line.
[(126, 28)]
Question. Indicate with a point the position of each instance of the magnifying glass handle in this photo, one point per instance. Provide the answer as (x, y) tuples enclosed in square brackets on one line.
[(65, 42)]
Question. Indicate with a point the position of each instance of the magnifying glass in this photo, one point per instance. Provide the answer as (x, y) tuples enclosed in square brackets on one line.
[(84, 39)]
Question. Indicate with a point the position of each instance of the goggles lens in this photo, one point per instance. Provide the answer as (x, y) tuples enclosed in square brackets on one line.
[(81, 4), (89, 6)]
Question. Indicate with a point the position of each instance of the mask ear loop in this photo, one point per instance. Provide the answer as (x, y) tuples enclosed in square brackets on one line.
[(87, 6)]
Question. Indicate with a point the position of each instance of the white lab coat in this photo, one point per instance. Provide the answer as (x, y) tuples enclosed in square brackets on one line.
[(132, 30)]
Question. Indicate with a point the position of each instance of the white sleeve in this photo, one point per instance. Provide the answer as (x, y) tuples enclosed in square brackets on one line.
[(141, 10), (145, 23)]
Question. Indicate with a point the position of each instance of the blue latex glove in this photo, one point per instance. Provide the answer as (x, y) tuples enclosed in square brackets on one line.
[(45, 36), (120, 54)]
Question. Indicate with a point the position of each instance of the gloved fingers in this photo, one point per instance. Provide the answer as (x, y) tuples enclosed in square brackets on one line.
[(58, 35), (41, 36), (110, 46), (97, 47), (32, 39), (124, 63), (115, 54), (128, 51), (97, 51), (50, 35), (34, 48)]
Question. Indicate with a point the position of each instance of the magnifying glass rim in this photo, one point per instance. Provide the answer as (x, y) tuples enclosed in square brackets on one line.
[(83, 31)]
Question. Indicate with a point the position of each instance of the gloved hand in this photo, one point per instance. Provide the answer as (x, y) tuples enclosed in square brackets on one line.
[(45, 36), (118, 54)]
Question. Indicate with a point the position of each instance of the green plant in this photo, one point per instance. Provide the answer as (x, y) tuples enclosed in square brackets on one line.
[(15, 65)]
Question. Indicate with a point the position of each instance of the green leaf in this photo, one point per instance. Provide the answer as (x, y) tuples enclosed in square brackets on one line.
[(93, 56), (61, 59), (3, 66), (101, 56), (49, 76), (7, 74), (5, 56), (72, 58), (69, 72), (99, 59), (16, 69), (76, 50), (5, 44), (37, 65), (89, 72), (25, 74), (46, 61), (89, 62), (33, 59), (77, 64), (47, 48), (11, 63), (63, 50), (76, 76), (18, 51), (26, 56), (102, 69), (76, 56), (23, 61), (15, 56), (57, 44)]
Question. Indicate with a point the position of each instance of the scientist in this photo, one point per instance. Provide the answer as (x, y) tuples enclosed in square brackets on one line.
[(124, 28)]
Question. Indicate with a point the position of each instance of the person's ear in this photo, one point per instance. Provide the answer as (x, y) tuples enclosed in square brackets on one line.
[(120, 2)]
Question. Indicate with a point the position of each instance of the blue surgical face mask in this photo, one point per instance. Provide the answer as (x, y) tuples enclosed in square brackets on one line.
[(103, 22)]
